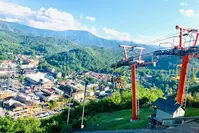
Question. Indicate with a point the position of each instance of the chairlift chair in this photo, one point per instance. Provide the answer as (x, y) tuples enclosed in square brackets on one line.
[(177, 77), (195, 75)]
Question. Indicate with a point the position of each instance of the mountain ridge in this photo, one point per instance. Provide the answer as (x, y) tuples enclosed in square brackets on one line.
[(78, 36)]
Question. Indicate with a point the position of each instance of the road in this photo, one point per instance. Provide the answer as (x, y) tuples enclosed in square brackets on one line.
[(126, 131), (191, 127)]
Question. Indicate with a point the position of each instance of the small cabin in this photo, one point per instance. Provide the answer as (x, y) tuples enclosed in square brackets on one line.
[(165, 109)]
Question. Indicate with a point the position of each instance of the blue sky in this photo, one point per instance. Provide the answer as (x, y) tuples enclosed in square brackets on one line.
[(136, 20)]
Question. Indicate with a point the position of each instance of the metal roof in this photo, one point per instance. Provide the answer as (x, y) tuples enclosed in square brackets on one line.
[(167, 105)]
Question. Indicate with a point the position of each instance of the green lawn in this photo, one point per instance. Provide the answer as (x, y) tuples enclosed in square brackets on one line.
[(121, 119), (192, 111), (118, 120)]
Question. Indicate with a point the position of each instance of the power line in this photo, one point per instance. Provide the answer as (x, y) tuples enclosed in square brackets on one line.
[(154, 41)]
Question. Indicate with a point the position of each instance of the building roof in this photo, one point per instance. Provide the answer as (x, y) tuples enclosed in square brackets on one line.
[(167, 105), (37, 76), (15, 105), (10, 102), (50, 90)]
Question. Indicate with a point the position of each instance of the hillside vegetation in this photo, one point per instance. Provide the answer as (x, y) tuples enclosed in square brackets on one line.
[(57, 52)]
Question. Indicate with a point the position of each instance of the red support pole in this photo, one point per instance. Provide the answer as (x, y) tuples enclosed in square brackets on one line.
[(134, 100), (195, 43), (182, 82)]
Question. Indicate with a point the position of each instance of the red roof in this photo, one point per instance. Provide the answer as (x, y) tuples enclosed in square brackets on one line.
[(51, 90)]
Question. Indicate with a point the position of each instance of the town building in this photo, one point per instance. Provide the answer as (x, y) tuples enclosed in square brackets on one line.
[(166, 108), (7, 93), (48, 91), (46, 97), (78, 96), (39, 79), (58, 91), (15, 108)]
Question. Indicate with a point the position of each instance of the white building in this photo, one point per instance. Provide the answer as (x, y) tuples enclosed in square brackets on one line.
[(27, 66), (58, 91), (36, 78), (165, 109), (7, 64), (78, 96), (92, 86)]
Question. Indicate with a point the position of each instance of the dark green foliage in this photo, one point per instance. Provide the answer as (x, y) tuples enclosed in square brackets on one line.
[(22, 125), (60, 53), (93, 59)]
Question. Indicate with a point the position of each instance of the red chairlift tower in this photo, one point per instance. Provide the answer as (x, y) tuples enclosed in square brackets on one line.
[(185, 52), (185, 61), (135, 63)]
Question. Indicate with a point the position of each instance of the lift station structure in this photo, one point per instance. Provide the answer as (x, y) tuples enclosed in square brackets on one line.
[(180, 50), (185, 52)]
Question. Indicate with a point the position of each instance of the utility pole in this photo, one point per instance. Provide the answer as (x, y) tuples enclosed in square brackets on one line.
[(82, 122), (68, 117)]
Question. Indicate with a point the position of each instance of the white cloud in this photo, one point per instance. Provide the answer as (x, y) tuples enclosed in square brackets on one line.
[(49, 18), (15, 10), (9, 19), (91, 18), (93, 30), (53, 19), (181, 10), (189, 12), (81, 16), (113, 34), (183, 4)]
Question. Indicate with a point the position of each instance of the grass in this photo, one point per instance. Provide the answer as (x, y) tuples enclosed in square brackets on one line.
[(118, 120), (191, 112)]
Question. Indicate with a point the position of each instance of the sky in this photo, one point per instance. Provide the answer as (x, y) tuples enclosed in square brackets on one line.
[(131, 20)]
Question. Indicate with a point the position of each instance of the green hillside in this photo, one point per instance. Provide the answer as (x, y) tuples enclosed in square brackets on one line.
[(58, 52)]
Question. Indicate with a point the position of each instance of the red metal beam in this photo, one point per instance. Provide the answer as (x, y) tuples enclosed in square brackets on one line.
[(182, 82), (195, 43), (134, 99), (183, 72)]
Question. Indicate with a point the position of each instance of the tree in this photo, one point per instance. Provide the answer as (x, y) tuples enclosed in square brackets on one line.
[(29, 125), (8, 126), (21, 78), (52, 104)]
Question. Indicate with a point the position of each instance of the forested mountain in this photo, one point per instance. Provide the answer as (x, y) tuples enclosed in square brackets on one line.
[(58, 52), (17, 38), (80, 37), (94, 59)]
